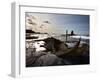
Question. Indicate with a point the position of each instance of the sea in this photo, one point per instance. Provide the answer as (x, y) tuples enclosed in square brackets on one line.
[(71, 40)]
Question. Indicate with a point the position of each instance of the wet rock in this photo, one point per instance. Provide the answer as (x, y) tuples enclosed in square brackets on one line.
[(29, 56), (52, 44), (48, 60)]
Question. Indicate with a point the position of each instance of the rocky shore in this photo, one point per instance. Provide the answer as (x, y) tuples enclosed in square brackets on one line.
[(56, 52)]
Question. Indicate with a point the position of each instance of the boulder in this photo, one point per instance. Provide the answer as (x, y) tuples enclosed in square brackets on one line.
[(48, 60)]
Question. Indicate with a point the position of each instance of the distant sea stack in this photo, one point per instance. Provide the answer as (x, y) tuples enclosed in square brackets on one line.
[(66, 34), (72, 33)]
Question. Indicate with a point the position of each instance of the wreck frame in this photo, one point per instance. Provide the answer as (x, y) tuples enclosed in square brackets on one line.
[(18, 68)]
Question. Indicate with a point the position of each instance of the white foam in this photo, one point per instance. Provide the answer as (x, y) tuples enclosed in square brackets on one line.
[(83, 37), (38, 44)]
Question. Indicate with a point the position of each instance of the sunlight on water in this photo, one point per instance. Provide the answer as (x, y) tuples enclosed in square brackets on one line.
[(83, 37)]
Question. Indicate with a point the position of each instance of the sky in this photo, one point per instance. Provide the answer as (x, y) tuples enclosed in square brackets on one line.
[(58, 23)]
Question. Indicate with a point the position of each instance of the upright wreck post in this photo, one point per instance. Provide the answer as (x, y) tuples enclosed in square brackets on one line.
[(66, 35)]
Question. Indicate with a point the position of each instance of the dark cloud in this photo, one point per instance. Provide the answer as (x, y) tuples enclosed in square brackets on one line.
[(46, 22)]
